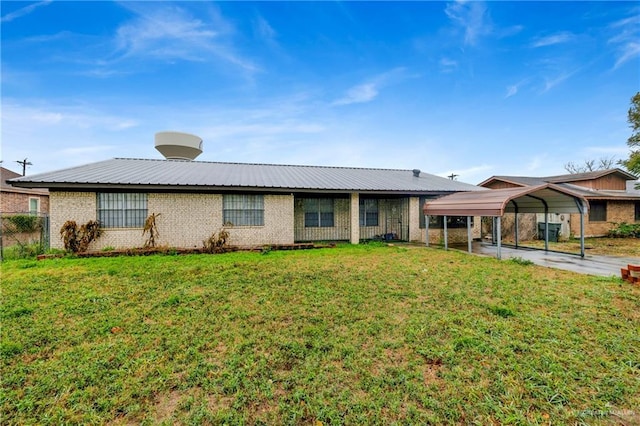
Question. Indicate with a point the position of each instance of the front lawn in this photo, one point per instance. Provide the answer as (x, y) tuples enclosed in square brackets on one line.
[(352, 335)]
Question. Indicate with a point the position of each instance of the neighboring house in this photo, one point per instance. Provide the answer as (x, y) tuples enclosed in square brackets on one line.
[(610, 196), (21, 200), (259, 204), (15, 201)]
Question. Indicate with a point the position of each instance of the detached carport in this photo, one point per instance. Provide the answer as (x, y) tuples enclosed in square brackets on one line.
[(546, 198)]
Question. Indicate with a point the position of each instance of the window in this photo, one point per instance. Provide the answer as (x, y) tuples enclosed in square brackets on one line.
[(243, 209), (34, 206), (432, 224), (597, 211), (318, 212), (637, 214), (437, 222), (368, 212), (122, 210)]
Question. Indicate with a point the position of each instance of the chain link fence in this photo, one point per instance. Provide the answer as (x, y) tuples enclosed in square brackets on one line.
[(23, 234)]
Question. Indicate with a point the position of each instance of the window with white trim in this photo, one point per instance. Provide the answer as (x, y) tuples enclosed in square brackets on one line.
[(122, 210), (34, 206), (318, 212), (243, 209), (368, 212)]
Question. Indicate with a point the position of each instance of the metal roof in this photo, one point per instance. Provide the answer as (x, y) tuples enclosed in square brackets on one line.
[(496, 202), (199, 175)]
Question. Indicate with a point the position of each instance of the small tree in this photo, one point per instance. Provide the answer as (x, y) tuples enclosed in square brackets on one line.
[(633, 117), (77, 239), (603, 163)]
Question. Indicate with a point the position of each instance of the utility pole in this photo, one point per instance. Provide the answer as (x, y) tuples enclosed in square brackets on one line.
[(24, 163), (453, 176)]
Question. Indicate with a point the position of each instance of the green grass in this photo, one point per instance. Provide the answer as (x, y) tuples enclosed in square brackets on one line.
[(352, 335)]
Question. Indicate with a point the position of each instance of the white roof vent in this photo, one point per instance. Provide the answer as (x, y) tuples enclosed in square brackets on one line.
[(178, 146)]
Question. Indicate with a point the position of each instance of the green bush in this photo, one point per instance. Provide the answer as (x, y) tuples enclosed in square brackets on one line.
[(22, 224), (625, 230)]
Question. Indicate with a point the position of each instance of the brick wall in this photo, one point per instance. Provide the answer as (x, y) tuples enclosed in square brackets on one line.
[(185, 220), (13, 202), (617, 211)]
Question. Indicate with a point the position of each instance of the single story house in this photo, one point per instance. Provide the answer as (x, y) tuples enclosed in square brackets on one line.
[(16, 201), (610, 195), (258, 204)]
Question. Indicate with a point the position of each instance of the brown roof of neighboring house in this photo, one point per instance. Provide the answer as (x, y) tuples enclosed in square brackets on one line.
[(565, 181), (6, 174), (567, 178)]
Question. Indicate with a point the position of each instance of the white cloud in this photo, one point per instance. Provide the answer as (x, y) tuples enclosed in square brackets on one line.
[(625, 36), (359, 94), (472, 17), (447, 65), (511, 91), (264, 30), (169, 33), (627, 52), (369, 90), (24, 11), (553, 39)]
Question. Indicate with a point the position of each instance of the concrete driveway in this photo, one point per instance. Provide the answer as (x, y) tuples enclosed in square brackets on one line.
[(592, 265)]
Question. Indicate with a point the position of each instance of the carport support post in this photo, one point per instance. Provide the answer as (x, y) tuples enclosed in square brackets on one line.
[(546, 228), (499, 237), (582, 233), (426, 229), (469, 233), (446, 242)]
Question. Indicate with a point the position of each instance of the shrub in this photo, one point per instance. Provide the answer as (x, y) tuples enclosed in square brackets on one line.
[(216, 243), (23, 223), (151, 227), (625, 230), (76, 239)]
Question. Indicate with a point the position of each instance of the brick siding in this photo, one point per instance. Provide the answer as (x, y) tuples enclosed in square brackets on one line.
[(617, 211), (185, 220)]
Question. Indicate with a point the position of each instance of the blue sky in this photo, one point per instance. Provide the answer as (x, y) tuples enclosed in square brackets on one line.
[(471, 88)]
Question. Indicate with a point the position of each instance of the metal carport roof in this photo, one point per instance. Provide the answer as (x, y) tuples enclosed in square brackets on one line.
[(496, 202), (545, 198)]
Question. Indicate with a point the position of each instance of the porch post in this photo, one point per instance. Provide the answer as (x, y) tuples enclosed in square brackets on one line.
[(426, 229), (469, 233), (499, 237), (355, 218), (446, 242)]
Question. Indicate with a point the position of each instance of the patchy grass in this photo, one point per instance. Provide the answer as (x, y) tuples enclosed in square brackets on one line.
[(358, 334), (629, 247)]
